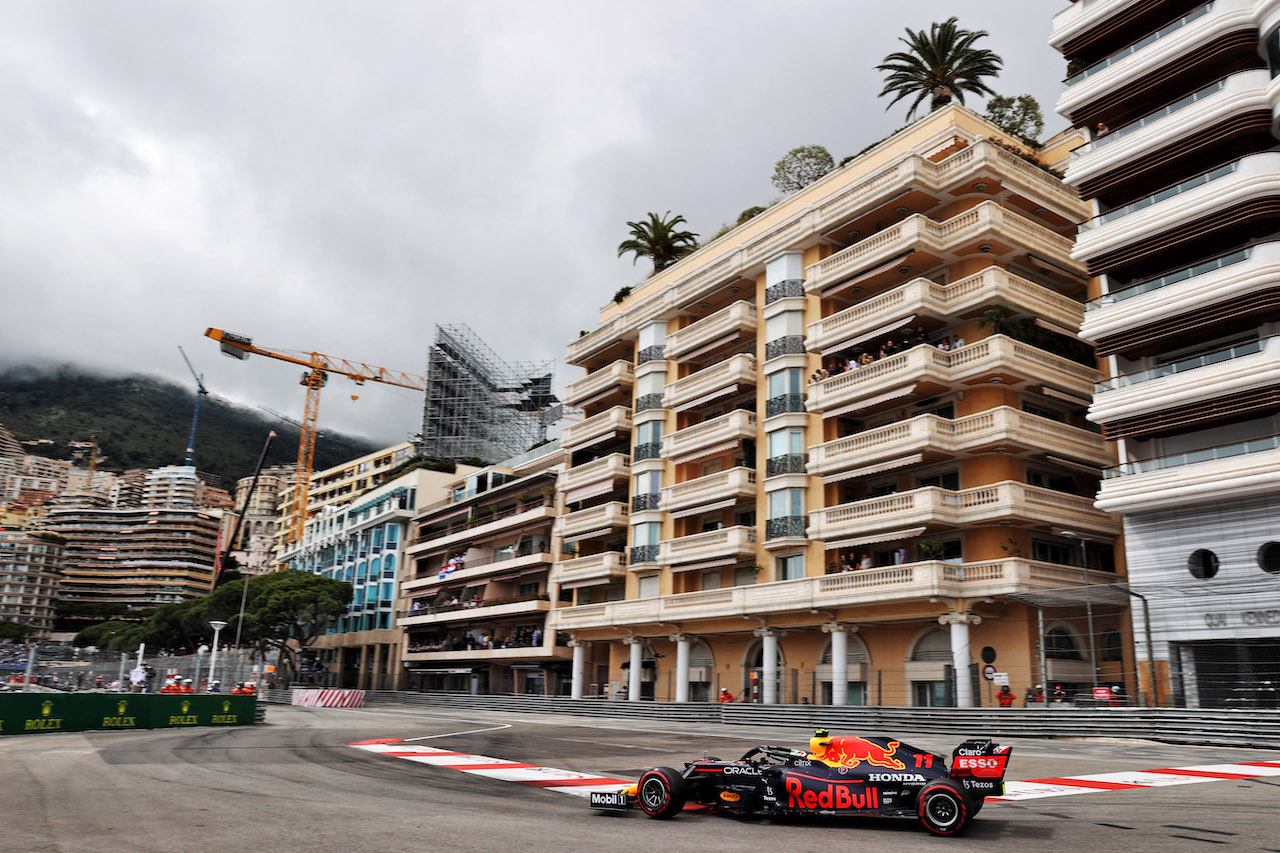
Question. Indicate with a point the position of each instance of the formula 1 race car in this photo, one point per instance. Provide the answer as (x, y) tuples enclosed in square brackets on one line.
[(838, 776)]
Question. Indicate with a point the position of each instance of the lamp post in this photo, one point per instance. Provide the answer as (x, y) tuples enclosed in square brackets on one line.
[(218, 625), (1088, 600)]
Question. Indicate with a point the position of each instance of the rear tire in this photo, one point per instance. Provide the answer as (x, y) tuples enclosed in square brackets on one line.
[(944, 807), (661, 793), (977, 805)]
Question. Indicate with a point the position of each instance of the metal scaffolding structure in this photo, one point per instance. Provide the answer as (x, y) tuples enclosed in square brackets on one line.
[(479, 406)]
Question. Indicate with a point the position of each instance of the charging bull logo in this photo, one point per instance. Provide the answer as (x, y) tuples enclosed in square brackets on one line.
[(852, 751)]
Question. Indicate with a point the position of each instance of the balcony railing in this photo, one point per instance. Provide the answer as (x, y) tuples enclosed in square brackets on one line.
[(727, 542), (924, 296), (1182, 365), (644, 554), (609, 515), (615, 466), (717, 431), (1193, 457), (617, 419), (641, 503), (1151, 118), (783, 290), (740, 368), (1003, 425), (740, 316), (931, 505), (1178, 275), (911, 582), (788, 526), (787, 345), (788, 463), (609, 565), (653, 353), (651, 450), (645, 402), (784, 403), (620, 374), (1164, 194), (1146, 41), (733, 483)]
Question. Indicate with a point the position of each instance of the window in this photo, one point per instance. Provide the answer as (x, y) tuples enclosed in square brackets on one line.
[(783, 442), (1060, 645), (711, 579), (1043, 411), (648, 483), (1054, 552), (786, 502), (1203, 564), (646, 534), (1269, 553), (784, 382), (647, 586), (942, 479), (530, 588), (789, 568), (1112, 646), (1049, 480)]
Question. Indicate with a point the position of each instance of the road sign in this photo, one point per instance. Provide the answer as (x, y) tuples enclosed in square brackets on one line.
[(1000, 679), (989, 672)]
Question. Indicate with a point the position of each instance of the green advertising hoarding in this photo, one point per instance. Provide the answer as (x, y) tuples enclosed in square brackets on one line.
[(32, 713)]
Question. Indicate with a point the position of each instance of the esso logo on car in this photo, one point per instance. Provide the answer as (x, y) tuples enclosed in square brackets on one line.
[(964, 762)]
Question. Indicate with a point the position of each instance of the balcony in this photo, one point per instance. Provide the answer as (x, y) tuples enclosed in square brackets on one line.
[(1001, 427), (598, 518), (480, 567), (944, 301), (1080, 17), (1225, 472), (522, 654), (1163, 49), (997, 358), (590, 571), (472, 612), (728, 324), (728, 542), (931, 506), (711, 382), (608, 423), (735, 483), (961, 234), (717, 434), (1229, 371), (615, 378), (1221, 280), (609, 469), (1256, 176), (1240, 93), (482, 526), (913, 582)]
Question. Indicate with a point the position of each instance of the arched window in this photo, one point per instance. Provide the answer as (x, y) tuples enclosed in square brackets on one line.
[(1112, 646), (1060, 645), (933, 646)]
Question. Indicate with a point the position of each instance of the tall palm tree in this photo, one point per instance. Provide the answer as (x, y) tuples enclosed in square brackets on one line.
[(658, 240), (939, 65)]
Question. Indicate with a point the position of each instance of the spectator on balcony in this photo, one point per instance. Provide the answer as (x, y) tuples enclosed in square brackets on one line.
[(536, 638), (845, 567), (865, 562), (866, 358), (901, 557), (958, 342), (1101, 130), (945, 343)]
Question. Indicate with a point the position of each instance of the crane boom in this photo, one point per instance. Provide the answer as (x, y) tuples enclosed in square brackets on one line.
[(319, 366), (195, 416)]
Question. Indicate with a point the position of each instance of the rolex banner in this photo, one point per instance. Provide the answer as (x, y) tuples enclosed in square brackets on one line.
[(31, 713)]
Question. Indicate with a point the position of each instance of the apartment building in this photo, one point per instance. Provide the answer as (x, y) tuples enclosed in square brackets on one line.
[(478, 587), (30, 572), (834, 455), (139, 557), (340, 484), (255, 545), (363, 542), (1180, 101)]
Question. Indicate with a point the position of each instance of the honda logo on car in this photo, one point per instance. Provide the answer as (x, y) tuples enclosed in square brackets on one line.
[(914, 778), (832, 796)]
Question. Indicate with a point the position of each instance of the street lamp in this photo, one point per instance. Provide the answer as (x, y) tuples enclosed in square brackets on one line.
[(218, 625), (1088, 600)]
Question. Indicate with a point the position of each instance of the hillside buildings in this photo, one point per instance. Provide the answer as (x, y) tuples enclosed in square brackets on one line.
[(30, 573), (1179, 99), (254, 549), (837, 453)]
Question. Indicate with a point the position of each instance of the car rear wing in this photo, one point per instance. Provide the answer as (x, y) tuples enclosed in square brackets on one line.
[(979, 765)]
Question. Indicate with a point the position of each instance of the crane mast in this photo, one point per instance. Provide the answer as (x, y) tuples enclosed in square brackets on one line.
[(195, 416), (319, 366)]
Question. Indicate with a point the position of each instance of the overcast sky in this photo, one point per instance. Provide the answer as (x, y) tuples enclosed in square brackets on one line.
[(341, 177)]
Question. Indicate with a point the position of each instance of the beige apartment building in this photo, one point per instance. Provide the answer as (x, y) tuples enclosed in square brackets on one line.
[(839, 454)]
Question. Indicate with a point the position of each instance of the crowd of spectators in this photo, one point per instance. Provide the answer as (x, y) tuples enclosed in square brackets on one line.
[(910, 338), (522, 637)]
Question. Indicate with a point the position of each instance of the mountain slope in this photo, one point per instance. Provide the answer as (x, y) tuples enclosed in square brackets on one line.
[(143, 422)]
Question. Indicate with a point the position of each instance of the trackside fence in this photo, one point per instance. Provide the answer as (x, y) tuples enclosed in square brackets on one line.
[(1170, 725)]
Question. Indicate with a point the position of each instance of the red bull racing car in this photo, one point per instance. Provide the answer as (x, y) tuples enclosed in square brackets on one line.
[(837, 776)]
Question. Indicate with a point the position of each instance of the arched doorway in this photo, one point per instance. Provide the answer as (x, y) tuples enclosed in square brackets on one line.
[(753, 688), (858, 661), (702, 670)]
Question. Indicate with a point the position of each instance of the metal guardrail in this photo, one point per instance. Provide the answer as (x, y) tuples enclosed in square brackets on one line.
[(1170, 725)]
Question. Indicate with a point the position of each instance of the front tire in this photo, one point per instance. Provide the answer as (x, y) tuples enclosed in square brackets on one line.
[(661, 793), (944, 807)]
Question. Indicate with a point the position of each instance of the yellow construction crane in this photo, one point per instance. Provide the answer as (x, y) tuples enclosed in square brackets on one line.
[(319, 366)]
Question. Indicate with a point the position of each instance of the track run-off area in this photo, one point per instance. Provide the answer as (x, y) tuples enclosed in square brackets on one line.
[(390, 780)]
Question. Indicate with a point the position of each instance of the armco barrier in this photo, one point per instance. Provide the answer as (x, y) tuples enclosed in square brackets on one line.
[(31, 713), (1170, 725)]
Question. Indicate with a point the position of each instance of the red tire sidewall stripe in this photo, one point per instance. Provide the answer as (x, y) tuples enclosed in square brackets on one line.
[(964, 811)]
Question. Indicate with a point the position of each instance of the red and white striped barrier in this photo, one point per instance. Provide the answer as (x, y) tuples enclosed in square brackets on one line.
[(315, 698)]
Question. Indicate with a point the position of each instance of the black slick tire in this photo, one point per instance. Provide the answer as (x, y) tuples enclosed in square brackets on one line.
[(661, 793)]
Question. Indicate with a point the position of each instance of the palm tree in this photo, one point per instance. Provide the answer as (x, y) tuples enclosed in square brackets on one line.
[(658, 240), (939, 65)]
